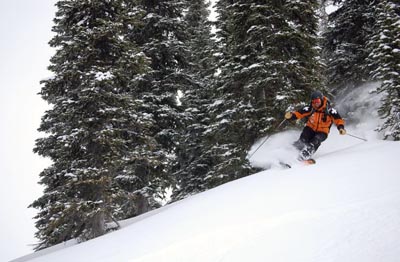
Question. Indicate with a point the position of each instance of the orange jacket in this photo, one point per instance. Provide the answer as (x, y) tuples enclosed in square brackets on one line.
[(321, 119)]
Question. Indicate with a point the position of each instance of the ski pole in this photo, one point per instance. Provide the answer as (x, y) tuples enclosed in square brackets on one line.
[(357, 137), (280, 124)]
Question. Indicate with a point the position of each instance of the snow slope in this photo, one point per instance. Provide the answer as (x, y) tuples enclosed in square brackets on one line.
[(345, 208)]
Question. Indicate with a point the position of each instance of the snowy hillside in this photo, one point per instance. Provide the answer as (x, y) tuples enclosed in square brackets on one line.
[(344, 208)]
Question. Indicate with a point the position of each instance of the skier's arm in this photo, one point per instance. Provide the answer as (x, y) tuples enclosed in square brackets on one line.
[(304, 112), (338, 120)]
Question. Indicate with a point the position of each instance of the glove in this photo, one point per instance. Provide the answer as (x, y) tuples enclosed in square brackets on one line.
[(288, 115), (342, 131)]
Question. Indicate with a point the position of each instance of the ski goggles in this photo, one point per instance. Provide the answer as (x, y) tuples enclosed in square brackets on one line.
[(316, 101)]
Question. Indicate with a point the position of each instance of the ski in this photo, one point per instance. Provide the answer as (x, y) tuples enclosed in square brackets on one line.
[(309, 161), (306, 162)]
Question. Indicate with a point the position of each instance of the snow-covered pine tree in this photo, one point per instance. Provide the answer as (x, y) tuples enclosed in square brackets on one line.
[(192, 162), (292, 51), (344, 43), (97, 138), (229, 114), (163, 39), (200, 39), (384, 62), (268, 61)]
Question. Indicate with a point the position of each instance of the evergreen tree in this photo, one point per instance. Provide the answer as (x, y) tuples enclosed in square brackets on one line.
[(97, 137), (193, 163), (384, 62), (268, 54), (199, 40), (345, 39), (163, 39)]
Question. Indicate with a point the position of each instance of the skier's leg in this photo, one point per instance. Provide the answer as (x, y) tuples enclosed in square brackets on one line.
[(303, 144), (306, 135), (315, 143), (306, 153)]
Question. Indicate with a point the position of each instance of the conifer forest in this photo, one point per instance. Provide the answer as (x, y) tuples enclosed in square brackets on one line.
[(151, 101)]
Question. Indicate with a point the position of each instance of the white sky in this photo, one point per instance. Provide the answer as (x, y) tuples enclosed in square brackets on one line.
[(213, 14), (25, 29)]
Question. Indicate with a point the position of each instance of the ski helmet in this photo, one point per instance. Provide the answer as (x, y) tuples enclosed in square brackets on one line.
[(317, 94)]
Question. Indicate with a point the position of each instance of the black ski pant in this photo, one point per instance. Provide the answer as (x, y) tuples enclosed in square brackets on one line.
[(309, 142)]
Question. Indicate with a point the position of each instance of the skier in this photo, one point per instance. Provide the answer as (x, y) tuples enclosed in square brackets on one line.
[(320, 118)]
